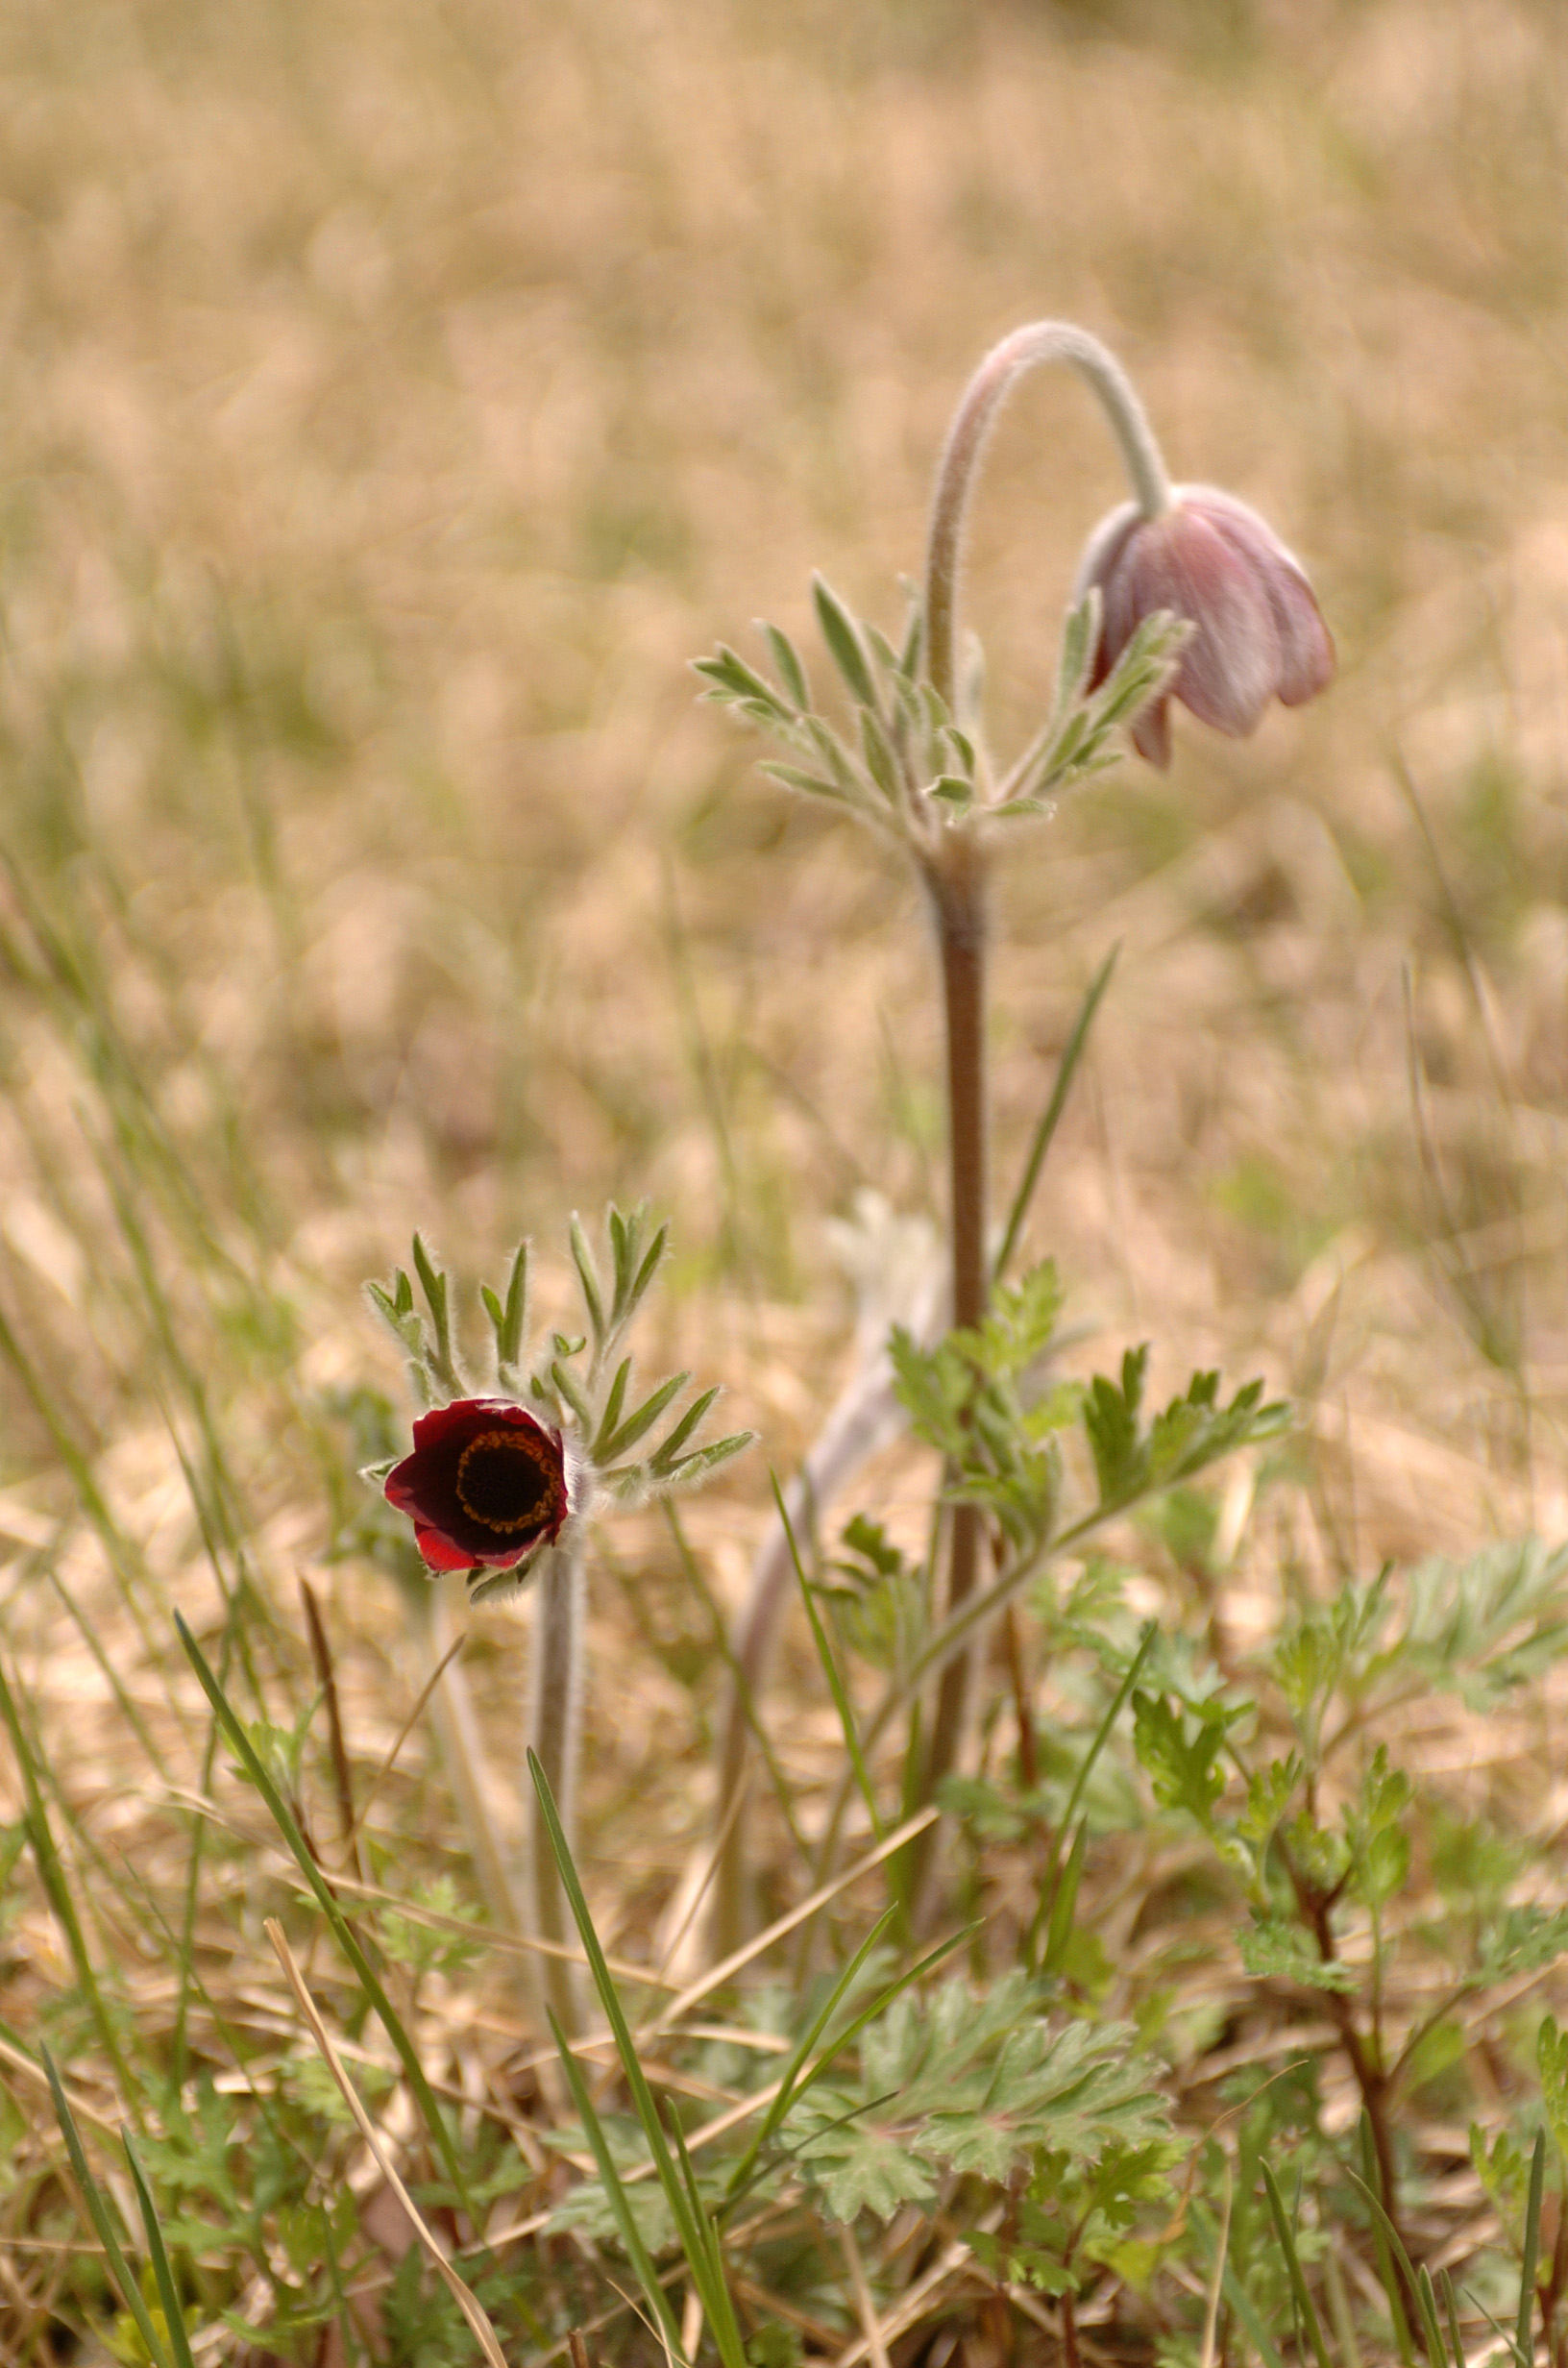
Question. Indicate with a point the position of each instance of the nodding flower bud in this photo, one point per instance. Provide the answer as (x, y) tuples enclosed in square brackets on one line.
[(1257, 633)]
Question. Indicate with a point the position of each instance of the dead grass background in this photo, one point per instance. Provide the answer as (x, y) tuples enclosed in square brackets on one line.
[(392, 399)]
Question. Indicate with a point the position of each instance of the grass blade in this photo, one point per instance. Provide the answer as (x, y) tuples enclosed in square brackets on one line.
[(1292, 2262), (632, 2237), (696, 2239), (1073, 1053), (1451, 2309), (1372, 2181), (168, 2293), (1532, 2247), (1080, 1783), (58, 1891), (830, 1668), (780, 2105), (348, 1940), (1401, 2263), (1066, 1902), (119, 2268)]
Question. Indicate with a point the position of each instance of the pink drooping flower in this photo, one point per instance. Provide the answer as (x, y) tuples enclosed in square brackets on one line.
[(486, 1485), (1259, 633)]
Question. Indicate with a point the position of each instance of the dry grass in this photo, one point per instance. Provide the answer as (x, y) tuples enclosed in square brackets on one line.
[(394, 399)]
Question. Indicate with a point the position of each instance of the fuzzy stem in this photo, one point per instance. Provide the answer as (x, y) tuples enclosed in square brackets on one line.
[(957, 884), (557, 1688), (457, 1725), (1041, 341)]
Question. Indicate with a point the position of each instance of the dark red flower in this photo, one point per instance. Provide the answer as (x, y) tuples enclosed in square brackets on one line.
[(1258, 632), (486, 1485)]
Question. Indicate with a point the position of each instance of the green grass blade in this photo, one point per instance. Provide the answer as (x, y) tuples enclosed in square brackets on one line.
[(1533, 2247), (1371, 2179), (780, 2105), (1292, 2262), (749, 1711), (1451, 2310), (637, 2252), (58, 1891), (689, 2226), (1401, 2262), (717, 2301), (119, 2268), (1080, 1783), (1427, 2300), (1066, 1902), (880, 2004), (1246, 2310), (1073, 1053), (830, 1668), (347, 1938), (168, 2293)]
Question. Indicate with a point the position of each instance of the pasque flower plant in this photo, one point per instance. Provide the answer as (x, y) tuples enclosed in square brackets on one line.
[(1183, 593), (503, 1485)]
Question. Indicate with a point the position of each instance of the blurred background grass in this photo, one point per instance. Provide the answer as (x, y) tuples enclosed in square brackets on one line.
[(394, 398)]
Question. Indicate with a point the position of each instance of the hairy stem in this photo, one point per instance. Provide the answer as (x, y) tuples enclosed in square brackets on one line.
[(462, 1749), (957, 885), (557, 1687), (1041, 341)]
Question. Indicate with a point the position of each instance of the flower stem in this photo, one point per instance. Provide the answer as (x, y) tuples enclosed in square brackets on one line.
[(955, 874), (557, 1688), (1041, 341), (957, 884)]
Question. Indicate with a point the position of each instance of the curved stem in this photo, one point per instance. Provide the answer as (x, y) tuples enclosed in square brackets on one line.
[(557, 1688), (1041, 341)]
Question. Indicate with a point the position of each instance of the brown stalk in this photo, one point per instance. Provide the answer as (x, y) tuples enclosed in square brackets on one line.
[(1375, 2085)]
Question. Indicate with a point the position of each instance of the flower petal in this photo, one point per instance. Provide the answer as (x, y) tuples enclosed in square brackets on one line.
[(1227, 670), (440, 1554)]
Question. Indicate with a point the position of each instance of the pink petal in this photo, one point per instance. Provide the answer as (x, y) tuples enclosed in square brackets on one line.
[(1307, 660), (1228, 669)]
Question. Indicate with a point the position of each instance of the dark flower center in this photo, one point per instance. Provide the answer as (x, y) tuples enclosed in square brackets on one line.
[(508, 1480)]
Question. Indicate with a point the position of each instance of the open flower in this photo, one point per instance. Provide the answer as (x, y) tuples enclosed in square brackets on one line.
[(1258, 632), (486, 1485)]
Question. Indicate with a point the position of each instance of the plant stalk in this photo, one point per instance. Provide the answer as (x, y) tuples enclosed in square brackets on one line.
[(559, 1603), (958, 890), (1040, 341)]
